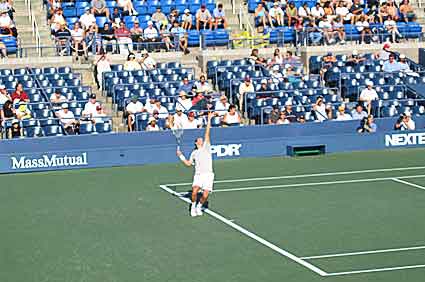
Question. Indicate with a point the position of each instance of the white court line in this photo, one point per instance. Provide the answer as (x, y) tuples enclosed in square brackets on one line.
[(315, 184), (252, 235), (376, 270), (309, 175), (408, 183), (365, 252)]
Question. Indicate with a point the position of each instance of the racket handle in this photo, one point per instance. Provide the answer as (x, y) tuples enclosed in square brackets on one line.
[(178, 147)]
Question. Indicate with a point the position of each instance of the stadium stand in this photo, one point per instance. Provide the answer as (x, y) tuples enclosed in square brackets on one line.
[(40, 84)]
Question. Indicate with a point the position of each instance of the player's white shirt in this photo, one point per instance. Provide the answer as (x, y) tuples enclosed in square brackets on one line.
[(202, 159)]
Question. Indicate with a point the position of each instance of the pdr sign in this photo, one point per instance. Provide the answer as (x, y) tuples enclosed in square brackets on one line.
[(227, 150)]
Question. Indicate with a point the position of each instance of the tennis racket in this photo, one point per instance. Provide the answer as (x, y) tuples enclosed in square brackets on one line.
[(178, 133)]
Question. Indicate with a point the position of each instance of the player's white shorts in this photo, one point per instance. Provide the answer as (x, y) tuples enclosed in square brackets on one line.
[(204, 180)]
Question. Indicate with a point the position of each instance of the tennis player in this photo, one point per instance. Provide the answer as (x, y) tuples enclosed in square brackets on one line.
[(204, 176)]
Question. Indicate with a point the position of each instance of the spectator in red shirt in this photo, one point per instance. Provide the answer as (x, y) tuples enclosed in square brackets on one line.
[(20, 94), (123, 36)]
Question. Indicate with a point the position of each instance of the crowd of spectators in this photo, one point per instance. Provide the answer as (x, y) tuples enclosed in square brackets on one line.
[(119, 35), (326, 19), (7, 24)]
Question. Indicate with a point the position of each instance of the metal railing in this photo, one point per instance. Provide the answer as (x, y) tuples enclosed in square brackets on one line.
[(244, 20), (34, 26)]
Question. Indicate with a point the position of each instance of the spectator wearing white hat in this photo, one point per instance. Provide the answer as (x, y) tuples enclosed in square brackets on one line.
[(187, 20), (146, 61), (4, 96), (131, 64), (405, 122), (15, 131), (276, 15), (67, 119), (183, 103), (246, 87), (152, 126), (404, 66), (341, 115), (289, 112), (221, 106), (276, 74), (355, 59), (150, 33), (264, 87), (368, 95)]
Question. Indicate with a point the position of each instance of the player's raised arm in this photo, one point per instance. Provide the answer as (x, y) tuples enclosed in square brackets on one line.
[(208, 128), (183, 158)]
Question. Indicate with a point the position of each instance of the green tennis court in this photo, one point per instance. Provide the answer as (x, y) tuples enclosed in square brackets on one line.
[(338, 217)]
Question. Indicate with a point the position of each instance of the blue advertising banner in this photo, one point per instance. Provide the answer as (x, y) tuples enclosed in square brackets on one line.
[(89, 151)]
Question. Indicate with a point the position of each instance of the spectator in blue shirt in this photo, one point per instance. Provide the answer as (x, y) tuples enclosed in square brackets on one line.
[(186, 86), (391, 65), (358, 113), (367, 125)]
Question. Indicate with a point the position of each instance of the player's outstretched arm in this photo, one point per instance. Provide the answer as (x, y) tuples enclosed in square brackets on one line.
[(208, 128), (183, 159)]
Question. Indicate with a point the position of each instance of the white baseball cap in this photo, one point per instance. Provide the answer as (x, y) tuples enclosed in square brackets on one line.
[(369, 83), (264, 81), (402, 56), (65, 106), (407, 113), (150, 23), (186, 11), (2, 87), (288, 103), (355, 52)]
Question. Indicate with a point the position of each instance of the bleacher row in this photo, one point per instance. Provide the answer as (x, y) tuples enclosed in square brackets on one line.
[(39, 84)]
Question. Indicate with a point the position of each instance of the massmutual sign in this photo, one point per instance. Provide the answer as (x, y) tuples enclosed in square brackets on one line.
[(49, 161), (405, 139)]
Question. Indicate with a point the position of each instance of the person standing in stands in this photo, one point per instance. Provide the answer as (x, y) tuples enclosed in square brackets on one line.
[(246, 87), (4, 96), (103, 64), (20, 94), (123, 36)]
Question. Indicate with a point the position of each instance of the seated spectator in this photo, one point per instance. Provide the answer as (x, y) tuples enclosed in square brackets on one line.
[(7, 5), (301, 119), (291, 13), (391, 27), (178, 120), (7, 24), (23, 112), (8, 111), (277, 75), (92, 40), (192, 122), (246, 87), (103, 64), (391, 65), (276, 15), (57, 98), (317, 12), (199, 102), (115, 17), (203, 18), (261, 16), (282, 119), (62, 38), (127, 6), (183, 103), (255, 58), (185, 85), (99, 8), (368, 95), (304, 12), (159, 18), (67, 119), (180, 35), (341, 115), (339, 29), (358, 113), (187, 20), (123, 36), (367, 125), (319, 110), (3, 48), (289, 113), (232, 117), (20, 94), (383, 13), (165, 36), (274, 115), (108, 38), (56, 20), (152, 126), (404, 66), (407, 12), (147, 62), (219, 16), (264, 88), (385, 53), (392, 10), (137, 35), (325, 26), (78, 42), (328, 9), (4, 96), (16, 131), (327, 63), (355, 59), (405, 122), (159, 109), (277, 58), (88, 19), (131, 64), (99, 116), (133, 108), (151, 34), (362, 25), (202, 85), (314, 33), (356, 11), (90, 107), (221, 106), (173, 16)]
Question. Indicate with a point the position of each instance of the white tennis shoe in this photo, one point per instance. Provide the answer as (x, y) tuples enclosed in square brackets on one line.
[(199, 210), (193, 212)]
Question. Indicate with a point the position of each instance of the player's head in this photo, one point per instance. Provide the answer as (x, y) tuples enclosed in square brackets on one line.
[(199, 142)]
